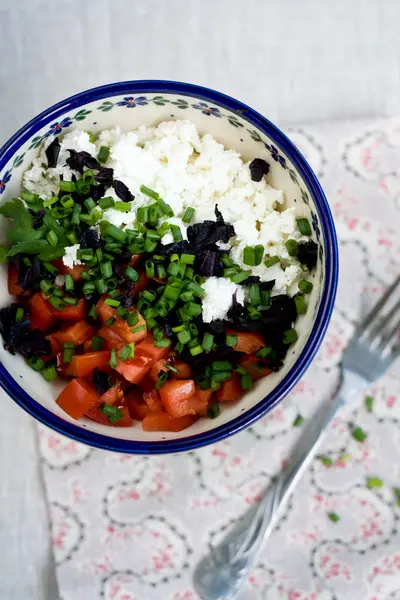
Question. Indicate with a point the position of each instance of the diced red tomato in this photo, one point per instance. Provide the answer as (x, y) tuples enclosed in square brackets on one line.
[(250, 363), (95, 414), (71, 313), (42, 316), (83, 365), (185, 370), (138, 409), (76, 334), (77, 398), (248, 341), (147, 348), (162, 421), (56, 346), (113, 395), (14, 288), (146, 384), (200, 401), (175, 396), (112, 339), (75, 271), (230, 390), (134, 369), (120, 326), (135, 260), (153, 400), (157, 367), (141, 284), (62, 367)]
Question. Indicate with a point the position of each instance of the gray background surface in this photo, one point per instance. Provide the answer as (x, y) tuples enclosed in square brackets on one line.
[(295, 61)]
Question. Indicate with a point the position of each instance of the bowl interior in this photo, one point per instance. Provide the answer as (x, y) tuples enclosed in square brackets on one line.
[(230, 127)]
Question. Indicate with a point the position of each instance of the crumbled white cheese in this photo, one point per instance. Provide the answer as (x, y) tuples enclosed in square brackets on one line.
[(59, 280), (45, 181), (187, 170), (70, 259), (217, 299)]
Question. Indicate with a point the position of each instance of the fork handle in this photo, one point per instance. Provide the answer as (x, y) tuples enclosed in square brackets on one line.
[(222, 574)]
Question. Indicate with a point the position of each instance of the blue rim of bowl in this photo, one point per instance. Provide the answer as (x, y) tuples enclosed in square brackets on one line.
[(327, 297)]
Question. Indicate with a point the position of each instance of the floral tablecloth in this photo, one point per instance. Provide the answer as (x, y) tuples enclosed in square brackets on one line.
[(133, 528)]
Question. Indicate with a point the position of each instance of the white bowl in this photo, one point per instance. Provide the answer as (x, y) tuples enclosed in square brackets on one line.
[(128, 105)]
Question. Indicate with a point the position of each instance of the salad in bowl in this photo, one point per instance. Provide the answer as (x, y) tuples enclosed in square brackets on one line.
[(156, 277)]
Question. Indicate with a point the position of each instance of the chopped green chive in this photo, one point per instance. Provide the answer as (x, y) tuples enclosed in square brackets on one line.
[(246, 381), (97, 343), (113, 358), (131, 274), (163, 343), (231, 340), (162, 378), (299, 420), (187, 259), (93, 312), (254, 293), (328, 462), (369, 403), (103, 154), (359, 435), (109, 322), (50, 201), (85, 254), (68, 353), (89, 203), (292, 247), (106, 269), (132, 318), (165, 208), (149, 265), (304, 226), (36, 363), (252, 255), (396, 491), (220, 376), (52, 238), (123, 207), (271, 261), (289, 336), (188, 215), (193, 309), (208, 340), (221, 365), (264, 352), (374, 482), (240, 277), (176, 233), (67, 186), (19, 315), (142, 328), (184, 337), (333, 517), (111, 302), (301, 307), (127, 351), (101, 286), (305, 286), (107, 202), (149, 192), (196, 350), (49, 373), (75, 214), (213, 410)]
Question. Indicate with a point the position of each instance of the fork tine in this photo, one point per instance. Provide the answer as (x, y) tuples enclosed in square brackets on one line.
[(391, 338), (369, 320), (380, 330)]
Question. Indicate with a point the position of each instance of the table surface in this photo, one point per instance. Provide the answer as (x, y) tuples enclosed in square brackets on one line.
[(295, 62)]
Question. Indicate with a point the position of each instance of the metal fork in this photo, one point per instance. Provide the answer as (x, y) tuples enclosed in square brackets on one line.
[(374, 346)]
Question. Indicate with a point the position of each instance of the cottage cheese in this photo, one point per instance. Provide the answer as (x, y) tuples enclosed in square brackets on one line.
[(217, 299), (70, 259)]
